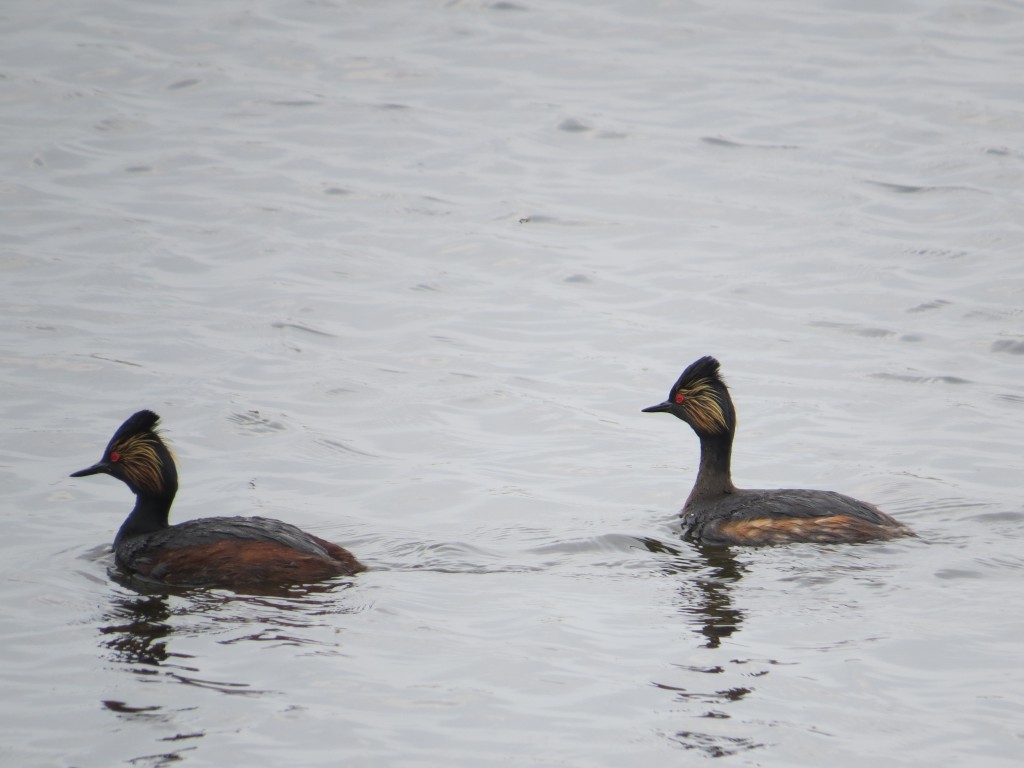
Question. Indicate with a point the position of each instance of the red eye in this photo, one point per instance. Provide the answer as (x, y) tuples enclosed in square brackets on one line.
[(680, 397), (115, 456)]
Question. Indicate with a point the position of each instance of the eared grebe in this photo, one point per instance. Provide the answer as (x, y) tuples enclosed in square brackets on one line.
[(717, 512), (213, 551)]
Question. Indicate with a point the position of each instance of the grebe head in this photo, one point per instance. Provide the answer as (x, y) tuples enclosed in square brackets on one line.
[(701, 399), (137, 456)]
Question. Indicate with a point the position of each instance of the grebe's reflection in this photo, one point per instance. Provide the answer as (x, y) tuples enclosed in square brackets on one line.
[(710, 682), (138, 630), (706, 595)]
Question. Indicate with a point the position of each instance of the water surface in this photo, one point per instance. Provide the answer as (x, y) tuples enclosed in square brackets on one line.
[(404, 274)]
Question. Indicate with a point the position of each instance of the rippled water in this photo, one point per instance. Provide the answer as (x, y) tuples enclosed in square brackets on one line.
[(404, 274)]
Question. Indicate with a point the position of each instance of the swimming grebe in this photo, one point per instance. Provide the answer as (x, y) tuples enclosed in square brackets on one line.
[(717, 512), (213, 551)]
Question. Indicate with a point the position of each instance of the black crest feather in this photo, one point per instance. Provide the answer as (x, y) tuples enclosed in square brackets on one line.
[(705, 368), (136, 424)]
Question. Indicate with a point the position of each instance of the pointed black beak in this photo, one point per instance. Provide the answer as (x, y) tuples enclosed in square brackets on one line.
[(95, 469), (659, 408)]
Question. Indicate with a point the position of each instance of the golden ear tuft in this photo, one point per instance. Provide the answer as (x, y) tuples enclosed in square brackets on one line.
[(141, 463), (704, 407)]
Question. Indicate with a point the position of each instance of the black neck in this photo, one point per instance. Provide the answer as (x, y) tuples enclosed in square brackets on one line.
[(150, 514), (714, 478)]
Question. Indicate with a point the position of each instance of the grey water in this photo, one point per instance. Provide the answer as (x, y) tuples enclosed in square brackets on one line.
[(404, 274)]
